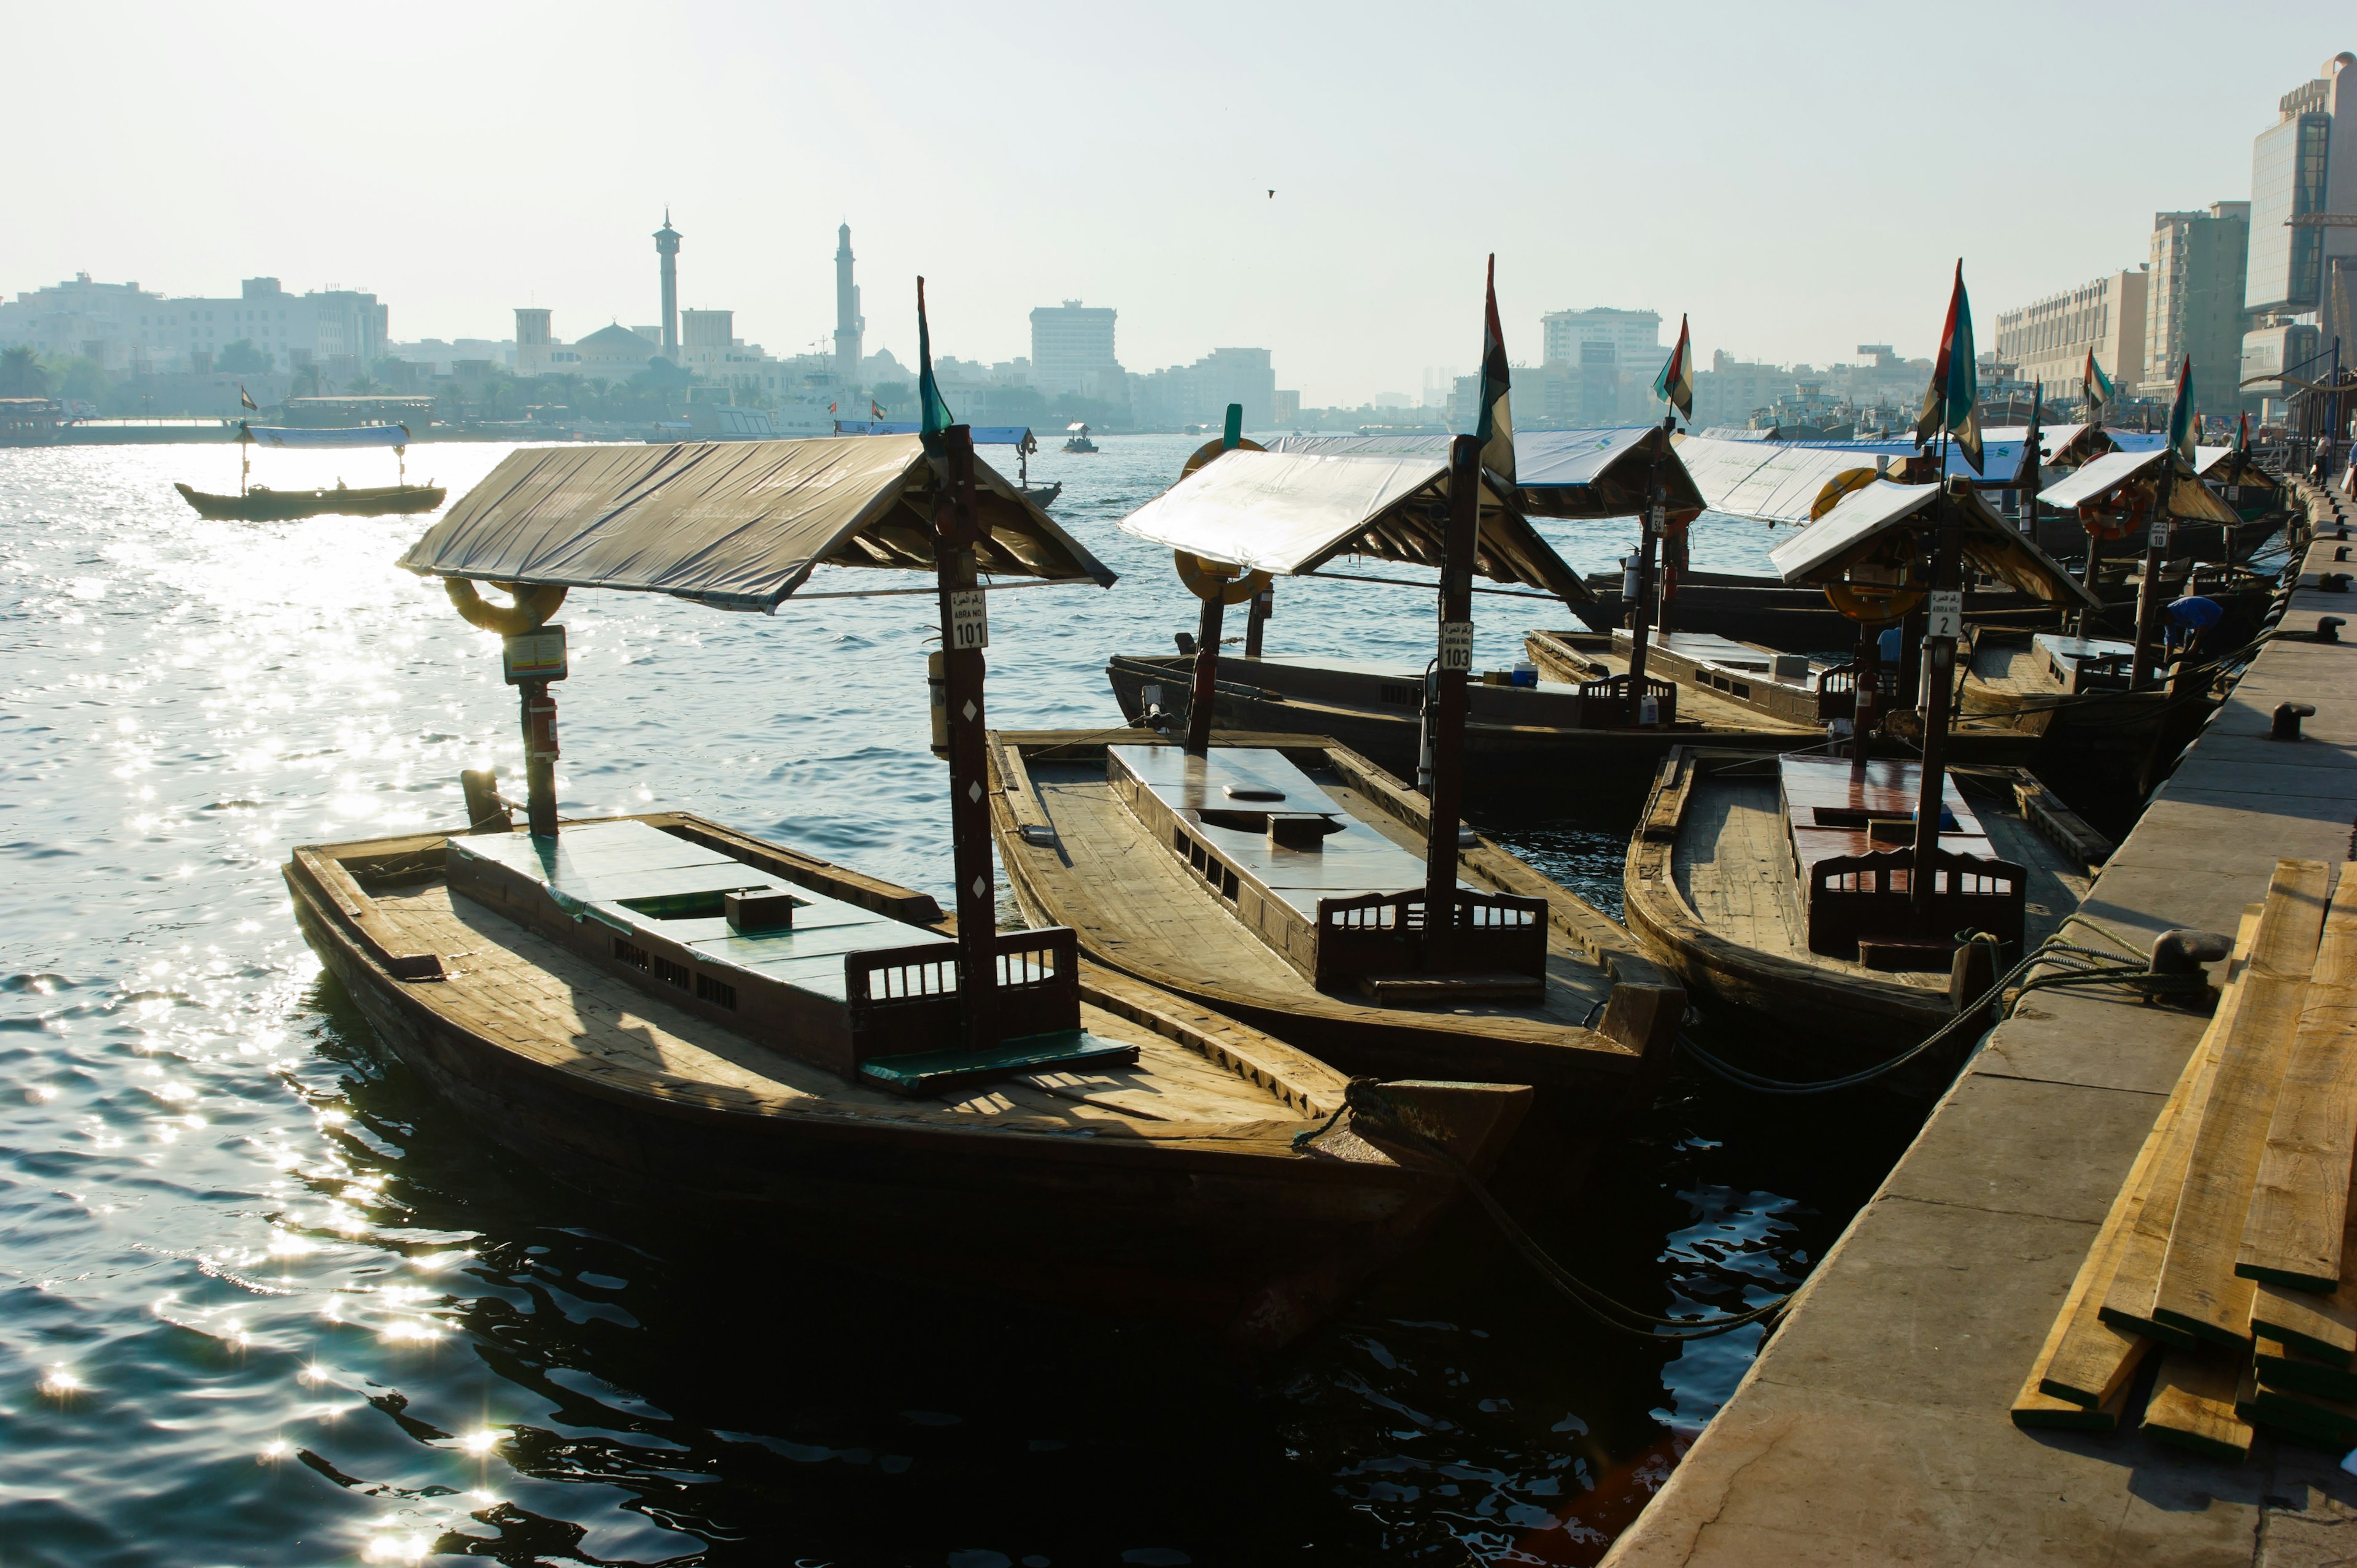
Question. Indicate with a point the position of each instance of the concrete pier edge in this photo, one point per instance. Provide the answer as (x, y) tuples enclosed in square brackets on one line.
[(1873, 1426)]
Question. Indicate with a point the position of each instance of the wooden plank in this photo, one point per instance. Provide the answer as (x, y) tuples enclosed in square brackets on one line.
[(2087, 1360), (2127, 1306), (2199, 1292), (2194, 1399), (2313, 1418), (2281, 1365), (2300, 1203), (2321, 1325), (2035, 1412)]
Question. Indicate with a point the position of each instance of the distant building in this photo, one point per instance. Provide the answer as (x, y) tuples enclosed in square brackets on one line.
[(1072, 346), (667, 252), (1199, 394), (129, 331), (1731, 390), (2301, 275), (2194, 303), (1635, 336), (849, 324), (2049, 340), (1285, 410)]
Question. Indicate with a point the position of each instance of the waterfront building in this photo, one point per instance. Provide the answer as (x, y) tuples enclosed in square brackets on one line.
[(129, 331), (2049, 339), (2301, 287), (1199, 394), (1072, 346), (2194, 303), (1634, 335), (1732, 390)]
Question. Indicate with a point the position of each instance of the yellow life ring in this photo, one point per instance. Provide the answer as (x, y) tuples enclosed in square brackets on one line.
[(531, 610), (1211, 449), (1206, 581), (1838, 487), (1872, 605)]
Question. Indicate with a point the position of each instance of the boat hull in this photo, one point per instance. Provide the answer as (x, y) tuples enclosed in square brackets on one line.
[(275, 506), (1230, 1229)]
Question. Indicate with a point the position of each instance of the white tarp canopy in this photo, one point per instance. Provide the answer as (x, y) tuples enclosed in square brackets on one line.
[(1290, 512), (2190, 500), (393, 435), (1557, 473), (2208, 457), (1821, 552), (1770, 480), (738, 524)]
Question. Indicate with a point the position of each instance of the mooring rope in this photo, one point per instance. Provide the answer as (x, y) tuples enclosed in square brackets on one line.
[(1366, 1101)]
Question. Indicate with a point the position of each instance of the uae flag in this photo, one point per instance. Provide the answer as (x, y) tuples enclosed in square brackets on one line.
[(2180, 412), (1674, 385), (2093, 385), (2243, 434), (935, 416), (1952, 402), (246, 398), (1495, 427)]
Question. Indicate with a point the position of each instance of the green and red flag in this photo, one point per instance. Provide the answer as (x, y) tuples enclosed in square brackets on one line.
[(2243, 434), (934, 413), (1952, 402), (2181, 430), (2093, 385), (1674, 385), (1495, 426)]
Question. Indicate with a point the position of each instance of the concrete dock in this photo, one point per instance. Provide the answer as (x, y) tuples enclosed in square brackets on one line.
[(1873, 1426)]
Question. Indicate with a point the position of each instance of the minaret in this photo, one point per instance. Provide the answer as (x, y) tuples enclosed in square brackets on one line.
[(667, 247), (848, 323)]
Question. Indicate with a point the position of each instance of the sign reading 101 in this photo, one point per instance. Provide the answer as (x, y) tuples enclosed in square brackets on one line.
[(969, 619)]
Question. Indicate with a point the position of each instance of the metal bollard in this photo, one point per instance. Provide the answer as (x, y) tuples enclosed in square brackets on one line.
[(2287, 717)]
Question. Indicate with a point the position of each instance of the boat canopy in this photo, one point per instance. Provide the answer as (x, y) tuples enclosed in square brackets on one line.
[(2136, 440), (2001, 456), (393, 435), (738, 524), (2208, 457), (984, 434), (1557, 473), (1821, 552), (2189, 501), (1290, 512), (1773, 481)]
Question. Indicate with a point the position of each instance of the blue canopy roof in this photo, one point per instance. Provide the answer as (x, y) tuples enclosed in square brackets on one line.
[(349, 436)]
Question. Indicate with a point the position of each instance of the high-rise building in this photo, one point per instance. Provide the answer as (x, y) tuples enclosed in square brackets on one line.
[(2301, 288), (2049, 340), (2194, 303), (1072, 346), (1635, 336), (849, 325), (667, 246)]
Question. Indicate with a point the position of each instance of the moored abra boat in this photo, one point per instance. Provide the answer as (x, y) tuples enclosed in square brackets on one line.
[(260, 503), (690, 1019)]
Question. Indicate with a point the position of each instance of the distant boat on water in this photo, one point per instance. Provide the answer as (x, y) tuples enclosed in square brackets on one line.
[(260, 503), (1076, 438)]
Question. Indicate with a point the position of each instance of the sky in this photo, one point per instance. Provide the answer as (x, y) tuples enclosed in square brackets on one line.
[(1799, 178)]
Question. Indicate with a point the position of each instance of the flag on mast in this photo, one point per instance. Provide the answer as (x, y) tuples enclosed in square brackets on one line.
[(2243, 435), (1953, 401), (935, 416), (1674, 385), (246, 398), (2093, 385), (1495, 427), (2180, 412)]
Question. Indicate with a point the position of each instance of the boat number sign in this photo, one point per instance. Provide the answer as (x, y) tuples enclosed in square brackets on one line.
[(1945, 613), (969, 619), (533, 656), (1456, 645)]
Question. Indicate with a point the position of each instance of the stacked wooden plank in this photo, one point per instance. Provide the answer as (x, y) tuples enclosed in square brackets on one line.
[(2231, 1250)]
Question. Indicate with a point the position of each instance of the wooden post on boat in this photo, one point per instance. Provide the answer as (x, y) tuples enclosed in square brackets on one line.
[(1866, 686), (1207, 626), (244, 455), (1263, 603), (966, 632), (1943, 624), (2030, 460), (2156, 549), (1460, 539), (1640, 614)]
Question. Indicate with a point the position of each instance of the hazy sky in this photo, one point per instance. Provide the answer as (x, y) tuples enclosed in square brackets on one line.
[(1799, 177)]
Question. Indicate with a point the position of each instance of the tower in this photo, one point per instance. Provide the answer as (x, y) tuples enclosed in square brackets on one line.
[(848, 323), (667, 247)]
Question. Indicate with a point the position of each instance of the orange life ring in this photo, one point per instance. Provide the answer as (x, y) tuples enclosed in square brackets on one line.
[(529, 612), (1840, 485), (1211, 449), (1875, 605), (1206, 581)]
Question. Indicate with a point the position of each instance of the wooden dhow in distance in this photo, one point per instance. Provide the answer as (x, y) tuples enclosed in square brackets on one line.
[(259, 503), (724, 1030), (1289, 881)]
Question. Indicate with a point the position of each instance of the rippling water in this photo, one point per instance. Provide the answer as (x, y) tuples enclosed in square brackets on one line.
[(263, 1302)]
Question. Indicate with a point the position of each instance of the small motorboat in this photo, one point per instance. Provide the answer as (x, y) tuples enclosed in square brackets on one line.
[(1076, 438)]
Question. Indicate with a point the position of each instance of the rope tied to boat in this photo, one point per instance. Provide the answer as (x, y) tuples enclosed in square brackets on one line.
[(2074, 964), (1365, 1099)]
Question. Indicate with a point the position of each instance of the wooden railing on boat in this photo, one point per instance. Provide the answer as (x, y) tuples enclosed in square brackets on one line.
[(1389, 933), (901, 995), (1854, 898), (1608, 703)]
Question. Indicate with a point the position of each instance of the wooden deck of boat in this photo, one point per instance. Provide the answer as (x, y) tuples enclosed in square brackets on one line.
[(1732, 864), (548, 1005)]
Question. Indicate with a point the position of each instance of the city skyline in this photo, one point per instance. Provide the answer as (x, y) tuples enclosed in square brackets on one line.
[(1144, 185)]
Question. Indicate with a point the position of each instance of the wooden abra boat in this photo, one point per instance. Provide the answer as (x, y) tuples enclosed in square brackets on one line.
[(650, 1049), (1280, 878), (260, 503), (1753, 876), (263, 504)]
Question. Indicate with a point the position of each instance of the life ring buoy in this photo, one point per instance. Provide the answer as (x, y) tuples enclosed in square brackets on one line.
[(529, 612), (1840, 485), (1211, 449), (1874, 607), (1208, 582)]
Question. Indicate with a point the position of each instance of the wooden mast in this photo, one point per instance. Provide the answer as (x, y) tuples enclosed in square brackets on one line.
[(1207, 626), (966, 632), (1459, 541), (2029, 499), (1640, 614), (2157, 534), (1944, 622)]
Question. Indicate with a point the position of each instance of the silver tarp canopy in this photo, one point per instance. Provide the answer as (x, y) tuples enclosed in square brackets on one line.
[(1290, 512), (1557, 473), (345, 436), (738, 524), (1821, 552), (1770, 481), (2190, 500)]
